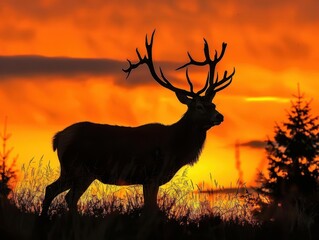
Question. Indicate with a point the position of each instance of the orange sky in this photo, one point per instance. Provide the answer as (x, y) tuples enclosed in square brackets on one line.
[(61, 61)]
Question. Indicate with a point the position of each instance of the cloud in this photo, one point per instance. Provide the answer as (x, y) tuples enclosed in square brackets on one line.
[(45, 9), (13, 33), (40, 67), (32, 66), (290, 47), (253, 144)]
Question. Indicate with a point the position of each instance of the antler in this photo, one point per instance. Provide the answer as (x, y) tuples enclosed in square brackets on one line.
[(162, 80), (213, 84)]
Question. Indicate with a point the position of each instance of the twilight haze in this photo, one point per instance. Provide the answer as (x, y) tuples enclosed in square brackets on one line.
[(61, 62)]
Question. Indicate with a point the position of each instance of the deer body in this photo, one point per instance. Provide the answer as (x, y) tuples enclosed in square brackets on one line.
[(149, 155)]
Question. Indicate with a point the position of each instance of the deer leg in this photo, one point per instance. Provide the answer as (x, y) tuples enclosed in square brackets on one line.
[(52, 190), (76, 191), (150, 192)]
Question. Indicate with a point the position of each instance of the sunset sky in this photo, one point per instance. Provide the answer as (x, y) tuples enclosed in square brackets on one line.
[(61, 62)]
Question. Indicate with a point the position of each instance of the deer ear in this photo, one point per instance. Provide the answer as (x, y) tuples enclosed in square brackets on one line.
[(183, 98)]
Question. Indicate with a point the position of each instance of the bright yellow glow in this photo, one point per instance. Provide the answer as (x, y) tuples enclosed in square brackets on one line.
[(267, 99)]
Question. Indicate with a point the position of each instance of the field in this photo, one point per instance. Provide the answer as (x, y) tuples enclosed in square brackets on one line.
[(107, 212)]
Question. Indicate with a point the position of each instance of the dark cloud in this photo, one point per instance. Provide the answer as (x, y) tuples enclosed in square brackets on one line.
[(38, 67), (253, 144), (32, 66)]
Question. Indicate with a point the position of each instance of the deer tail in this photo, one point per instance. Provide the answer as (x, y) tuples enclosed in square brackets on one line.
[(55, 141)]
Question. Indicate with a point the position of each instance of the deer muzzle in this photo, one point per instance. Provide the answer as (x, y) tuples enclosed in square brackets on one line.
[(219, 118)]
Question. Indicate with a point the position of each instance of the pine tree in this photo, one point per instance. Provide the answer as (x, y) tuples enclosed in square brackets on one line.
[(7, 168), (293, 169)]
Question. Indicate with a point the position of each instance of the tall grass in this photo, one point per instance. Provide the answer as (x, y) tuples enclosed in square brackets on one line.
[(188, 211), (178, 199)]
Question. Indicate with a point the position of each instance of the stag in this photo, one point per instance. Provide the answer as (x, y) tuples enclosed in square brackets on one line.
[(150, 154)]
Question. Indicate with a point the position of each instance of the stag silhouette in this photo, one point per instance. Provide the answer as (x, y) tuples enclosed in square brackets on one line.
[(150, 154)]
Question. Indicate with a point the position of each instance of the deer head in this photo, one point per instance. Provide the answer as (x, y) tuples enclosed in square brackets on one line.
[(201, 110)]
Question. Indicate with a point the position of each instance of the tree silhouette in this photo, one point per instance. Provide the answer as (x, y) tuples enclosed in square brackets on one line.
[(7, 170), (293, 168)]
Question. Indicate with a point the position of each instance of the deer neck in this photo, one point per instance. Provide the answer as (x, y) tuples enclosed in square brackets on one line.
[(189, 139), (188, 123)]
